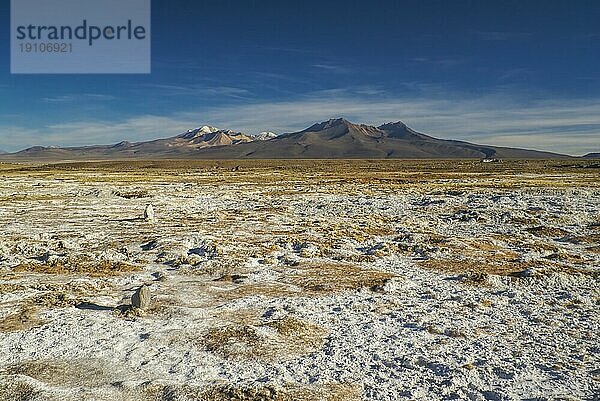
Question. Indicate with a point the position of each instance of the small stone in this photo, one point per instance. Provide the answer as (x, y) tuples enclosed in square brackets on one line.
[(160, 276), (149, 213), (528, 273), (141, 298), (232, 278)]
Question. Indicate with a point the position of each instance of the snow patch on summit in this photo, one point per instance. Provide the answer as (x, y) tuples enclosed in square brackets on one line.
[(265, 136)]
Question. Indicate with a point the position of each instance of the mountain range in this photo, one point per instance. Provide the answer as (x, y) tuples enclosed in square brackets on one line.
[(332, 139)]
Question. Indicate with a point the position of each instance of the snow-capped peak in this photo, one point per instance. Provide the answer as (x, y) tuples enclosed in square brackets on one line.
[(265, 136), (197, 132), (207, 129)]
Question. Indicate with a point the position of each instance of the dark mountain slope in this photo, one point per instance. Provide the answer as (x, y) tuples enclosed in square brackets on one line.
[(333, 139)]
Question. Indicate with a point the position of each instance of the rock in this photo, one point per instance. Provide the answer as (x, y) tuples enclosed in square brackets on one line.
[(149, 213), (232, 278), (527, 273), (141, 298), (160, 276)]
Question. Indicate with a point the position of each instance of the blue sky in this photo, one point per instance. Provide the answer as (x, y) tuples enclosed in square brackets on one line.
[(519, 73)]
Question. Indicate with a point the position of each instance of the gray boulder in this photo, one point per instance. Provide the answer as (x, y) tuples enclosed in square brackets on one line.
[(141, 298), (149, 213)]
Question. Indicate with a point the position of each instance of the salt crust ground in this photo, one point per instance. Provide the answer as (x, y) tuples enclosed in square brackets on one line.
[(322, 289)]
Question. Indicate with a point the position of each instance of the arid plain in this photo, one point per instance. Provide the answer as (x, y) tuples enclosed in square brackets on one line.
[(300, 280)]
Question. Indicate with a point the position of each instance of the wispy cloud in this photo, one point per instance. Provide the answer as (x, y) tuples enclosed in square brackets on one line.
[(338, 69), (92, 132), (566, 126), (198, 90), (98, 96), (368, 91), (588, 36), (58, 99), (72, 98), (515, 73), (501, 35), (440, 62), (288, 49)]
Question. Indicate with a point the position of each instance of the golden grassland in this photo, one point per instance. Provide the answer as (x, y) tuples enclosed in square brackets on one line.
[(511, 173)]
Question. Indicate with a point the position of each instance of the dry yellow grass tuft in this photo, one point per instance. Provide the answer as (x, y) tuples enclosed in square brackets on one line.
[(58, 372), (473, 267), (56, 299), (484, 244), (357, 230), (29, 198), (24, 319), (279, 339), (7, 288), (546, 231), (566, 257), (330, 392), (590, 239), (265, 392), (333, 277), (239, 316), (90, 268), (298, 331), (237, 342), (17, 390), (476, 271), (305, 280)]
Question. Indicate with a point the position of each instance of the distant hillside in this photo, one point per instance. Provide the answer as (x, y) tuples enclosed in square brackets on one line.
[(592, 155), (182, 145), (333, 139), (339, 139)]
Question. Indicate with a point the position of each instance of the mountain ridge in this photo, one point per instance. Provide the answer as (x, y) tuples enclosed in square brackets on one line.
[(336, 138), (339, 138)]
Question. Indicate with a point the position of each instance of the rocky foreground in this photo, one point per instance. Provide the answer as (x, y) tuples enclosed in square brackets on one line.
[(301, 280)]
